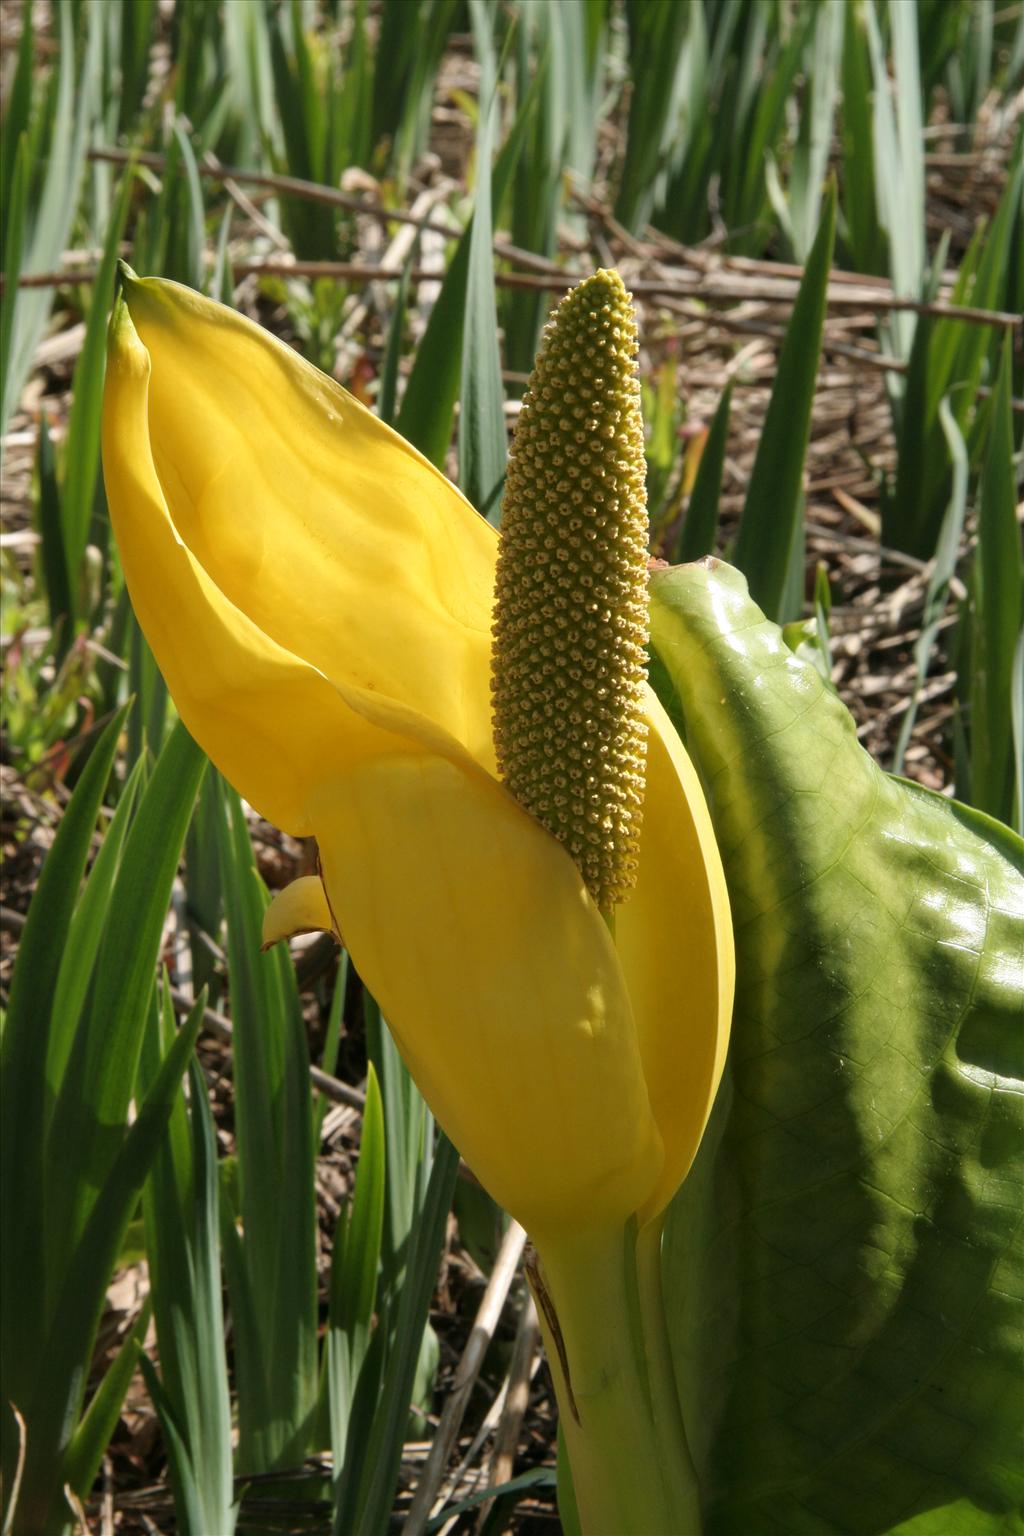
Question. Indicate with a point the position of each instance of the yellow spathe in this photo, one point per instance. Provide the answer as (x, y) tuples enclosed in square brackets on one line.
[(319, 598)]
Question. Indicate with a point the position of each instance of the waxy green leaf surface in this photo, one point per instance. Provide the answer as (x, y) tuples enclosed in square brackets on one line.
[(844, 1263)]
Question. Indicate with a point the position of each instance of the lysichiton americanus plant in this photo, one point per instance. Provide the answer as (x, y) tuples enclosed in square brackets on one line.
[(514, 845)]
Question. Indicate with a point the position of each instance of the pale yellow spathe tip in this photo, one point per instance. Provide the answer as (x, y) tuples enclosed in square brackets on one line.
[(301, 907)]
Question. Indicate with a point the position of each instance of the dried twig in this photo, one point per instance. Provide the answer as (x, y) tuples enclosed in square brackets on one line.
[(487, 1317)]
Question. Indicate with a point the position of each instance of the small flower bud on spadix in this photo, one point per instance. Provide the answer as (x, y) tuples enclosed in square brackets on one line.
[(570, 617)]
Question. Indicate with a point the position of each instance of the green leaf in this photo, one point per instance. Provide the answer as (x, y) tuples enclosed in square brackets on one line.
[(698, 533), (181, 1206), (947, 360), (997, 612), (843, 1262), (14, 245), (203, 895), (58, 197), (537, 192), (409, 1128), (482, 435), (17, 115), (179, 1463), (97, 1088), (773, 510), (657, 62), (275, 1358), (146, 722), (383, 1459), (508, 1494), (82, 454), (354, 1268), (388, 391), (943, 568), (99, 1421), (86, 933), (864, 237), (52, 551), (811, 152), (428, 406), (899, 157), (24, 1103), (746, 192), (53, 1406)]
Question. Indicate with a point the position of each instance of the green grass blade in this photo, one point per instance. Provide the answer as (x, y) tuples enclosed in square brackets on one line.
[(183, 1250), (1017, 726), (942, 572), (191, 265), (384, 1454), (864, 238), (410, 138), (388, 391), (810, 155), (402, 34), (683, 210), (51, 225), (899, 158), (99, 1421), (537, 186), (655, 47), (212, 1425), (166, 1212), (138, 22), (997, 611), (179, 1463), (146, 722), (14, 245), (353, 1299), (746, 191), (300, 108), (506, 1497), (903, 519), (17, 113), (23, 1052), (203, 895), (82, 452), (100, 1077), (81, 1287), (697, 537), (409, 1127), (52, 550), (961, 349), (772, 509), (86, 932), (428, 406), (354, 1269), (482, 435), (278, 1385)]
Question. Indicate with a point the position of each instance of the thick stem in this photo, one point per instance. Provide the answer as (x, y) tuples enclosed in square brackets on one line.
[(668, 1414), (631, 1468)]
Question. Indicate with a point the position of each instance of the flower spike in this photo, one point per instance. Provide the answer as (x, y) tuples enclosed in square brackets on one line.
[(570, 619)]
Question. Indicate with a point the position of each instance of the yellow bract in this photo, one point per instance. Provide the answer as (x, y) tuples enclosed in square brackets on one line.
[(319, 600)]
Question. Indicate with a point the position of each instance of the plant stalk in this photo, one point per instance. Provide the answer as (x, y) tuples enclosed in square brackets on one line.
[(619, 1411)]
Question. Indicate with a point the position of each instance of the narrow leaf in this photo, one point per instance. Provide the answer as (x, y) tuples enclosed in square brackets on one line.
[(773, 506), (697, 537)]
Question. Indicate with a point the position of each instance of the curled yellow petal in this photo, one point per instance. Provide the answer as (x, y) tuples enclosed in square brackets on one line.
[(300, 907), (321, 524), (674, 939), (473, 929), (274, 725)]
